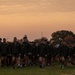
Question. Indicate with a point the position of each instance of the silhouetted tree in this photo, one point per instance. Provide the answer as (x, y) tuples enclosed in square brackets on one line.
[(65, 35)]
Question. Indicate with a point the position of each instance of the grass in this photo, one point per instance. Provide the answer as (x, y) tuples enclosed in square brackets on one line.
[(35, 70)]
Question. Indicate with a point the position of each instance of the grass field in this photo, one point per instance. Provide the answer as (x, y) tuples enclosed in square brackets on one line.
[(35, 70)]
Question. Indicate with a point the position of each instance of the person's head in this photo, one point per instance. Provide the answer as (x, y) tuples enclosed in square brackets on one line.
[(15, 39), (4, 39), (25, 38)]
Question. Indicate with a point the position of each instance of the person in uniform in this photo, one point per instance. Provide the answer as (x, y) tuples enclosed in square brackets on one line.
[(24, 52), (4, 52), (9, 54), (42, 52), (0, 48), (49, 49), (15, 53), (64, 51), (73, 55), (30, 53), (34, 53)]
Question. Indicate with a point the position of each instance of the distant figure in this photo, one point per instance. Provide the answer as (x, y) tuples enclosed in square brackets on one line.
[(0, 45), (42, 53), (9, 54), (25, 47), (25, 38), (15, 53), (1, 49), (4, 53), (64, 53), (73, 55)]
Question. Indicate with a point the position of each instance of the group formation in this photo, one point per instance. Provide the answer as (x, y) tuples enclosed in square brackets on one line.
[(24, 53)]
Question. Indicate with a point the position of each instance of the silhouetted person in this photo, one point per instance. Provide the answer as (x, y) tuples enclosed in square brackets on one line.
[(15, 53), (42, 53), (4, 52), (9, 54), (24, 51)]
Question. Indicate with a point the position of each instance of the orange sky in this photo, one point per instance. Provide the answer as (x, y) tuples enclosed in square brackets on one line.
[(31, 17)]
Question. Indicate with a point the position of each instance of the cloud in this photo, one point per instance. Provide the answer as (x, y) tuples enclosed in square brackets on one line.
[(36, 6)]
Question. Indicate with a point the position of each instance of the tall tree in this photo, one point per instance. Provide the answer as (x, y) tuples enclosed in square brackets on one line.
[(65, 35)]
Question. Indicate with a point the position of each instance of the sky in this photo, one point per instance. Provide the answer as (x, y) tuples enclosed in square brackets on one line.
[(35, 18)]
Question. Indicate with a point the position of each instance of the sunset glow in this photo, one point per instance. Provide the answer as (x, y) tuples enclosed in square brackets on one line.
[(31, 17)]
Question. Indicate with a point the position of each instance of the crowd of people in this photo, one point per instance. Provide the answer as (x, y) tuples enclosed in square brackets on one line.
[(24, 53)]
